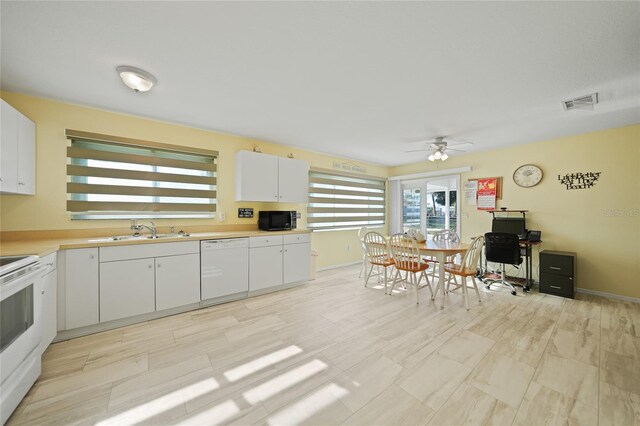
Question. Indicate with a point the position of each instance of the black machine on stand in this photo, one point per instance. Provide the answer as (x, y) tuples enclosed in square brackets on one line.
[(527, 239)]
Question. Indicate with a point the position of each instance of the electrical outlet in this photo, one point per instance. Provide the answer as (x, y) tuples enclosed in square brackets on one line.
[(223, 216)]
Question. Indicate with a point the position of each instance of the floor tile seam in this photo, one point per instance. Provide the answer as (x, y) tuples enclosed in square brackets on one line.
[(535, 370)]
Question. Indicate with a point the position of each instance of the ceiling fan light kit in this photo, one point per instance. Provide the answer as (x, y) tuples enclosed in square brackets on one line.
[(438, 148)]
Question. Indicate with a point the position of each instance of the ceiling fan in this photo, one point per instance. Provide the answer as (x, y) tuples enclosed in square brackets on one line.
[(438, 148)]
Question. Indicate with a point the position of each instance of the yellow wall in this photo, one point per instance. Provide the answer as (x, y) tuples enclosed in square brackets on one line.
[(47, 209), (601, 224)]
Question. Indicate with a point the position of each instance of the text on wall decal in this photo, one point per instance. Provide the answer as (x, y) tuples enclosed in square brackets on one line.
[(579, 180)]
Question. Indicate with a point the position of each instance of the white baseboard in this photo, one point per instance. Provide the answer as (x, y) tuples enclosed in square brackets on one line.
[(341, 265), (609, 295)]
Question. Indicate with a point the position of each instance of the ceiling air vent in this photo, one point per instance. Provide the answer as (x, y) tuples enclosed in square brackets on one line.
[(583, 102)]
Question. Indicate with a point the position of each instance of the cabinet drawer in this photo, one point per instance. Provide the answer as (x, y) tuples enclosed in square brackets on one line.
[(556, 284), (297, 238), (140, 251), (266, 241), (556, 264)]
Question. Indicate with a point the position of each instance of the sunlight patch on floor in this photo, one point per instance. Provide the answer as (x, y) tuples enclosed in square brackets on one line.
[(284, 381), (308, 406), (161, 404), (258, 364), (215, 415)]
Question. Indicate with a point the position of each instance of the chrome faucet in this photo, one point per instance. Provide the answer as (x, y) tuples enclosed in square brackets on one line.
[(137, 228)]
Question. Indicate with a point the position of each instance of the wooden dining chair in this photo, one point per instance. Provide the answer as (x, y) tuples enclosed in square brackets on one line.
[(468, 267), (406, 257), (377, 256), (365, 261), (446, 235)]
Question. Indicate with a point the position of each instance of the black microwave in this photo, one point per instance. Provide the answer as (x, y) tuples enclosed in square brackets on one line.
[(277, 220)]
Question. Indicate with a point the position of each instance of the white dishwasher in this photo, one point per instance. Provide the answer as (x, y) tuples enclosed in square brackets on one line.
[(224, 267)]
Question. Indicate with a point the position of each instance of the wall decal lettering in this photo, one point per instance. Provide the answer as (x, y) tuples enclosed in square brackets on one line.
[(579, 180)]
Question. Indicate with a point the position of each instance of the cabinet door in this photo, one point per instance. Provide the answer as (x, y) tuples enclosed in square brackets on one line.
[(265, 267), (81, 287), (177, 281), (293, 181), (256, 177), (26, 155), (127, 288), (49, 309), (8, 148), (297, 259)]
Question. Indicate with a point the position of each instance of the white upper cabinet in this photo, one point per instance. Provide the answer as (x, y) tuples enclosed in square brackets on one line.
[(8, 149), (265, 177), (18, 147), (293, 181), (26, 156), (256, 177)]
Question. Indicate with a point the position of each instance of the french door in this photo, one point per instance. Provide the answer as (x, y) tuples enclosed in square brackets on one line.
[(431, 205)]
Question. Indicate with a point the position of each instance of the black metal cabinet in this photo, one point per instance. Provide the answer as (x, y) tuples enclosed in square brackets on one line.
[(558, 273)]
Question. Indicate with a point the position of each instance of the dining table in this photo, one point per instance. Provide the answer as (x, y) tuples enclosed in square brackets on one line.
[(441, 250)]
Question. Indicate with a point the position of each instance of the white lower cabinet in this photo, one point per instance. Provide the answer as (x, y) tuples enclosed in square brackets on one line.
[(279, 263), (177, 281), (81, 288), (127, 288), (265, 267), (297, 259), (49, 309)]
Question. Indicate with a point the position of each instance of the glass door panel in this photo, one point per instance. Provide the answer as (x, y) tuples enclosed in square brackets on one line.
[(430, 205), (411, 207)]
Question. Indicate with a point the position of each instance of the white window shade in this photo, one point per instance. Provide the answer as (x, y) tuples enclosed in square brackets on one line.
[(340, 201), (109, 177)]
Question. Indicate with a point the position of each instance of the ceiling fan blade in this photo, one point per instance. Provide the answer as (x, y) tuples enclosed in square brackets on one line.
[(457, 150), (418, 150), (459, 144)]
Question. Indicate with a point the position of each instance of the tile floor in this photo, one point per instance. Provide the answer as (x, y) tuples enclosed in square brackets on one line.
[(335, 352)]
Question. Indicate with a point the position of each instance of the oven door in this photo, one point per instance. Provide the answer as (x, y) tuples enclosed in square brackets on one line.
[(20, 307)]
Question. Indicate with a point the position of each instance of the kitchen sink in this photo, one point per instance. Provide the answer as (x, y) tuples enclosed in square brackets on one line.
[(136, 237)]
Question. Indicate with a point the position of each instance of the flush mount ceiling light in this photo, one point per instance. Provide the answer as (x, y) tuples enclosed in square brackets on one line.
[(136, 79)]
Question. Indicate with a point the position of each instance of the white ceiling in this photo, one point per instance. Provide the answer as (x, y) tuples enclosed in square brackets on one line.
[(354, 79)]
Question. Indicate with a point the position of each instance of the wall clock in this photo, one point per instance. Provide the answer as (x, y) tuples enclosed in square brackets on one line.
[(527, 176)]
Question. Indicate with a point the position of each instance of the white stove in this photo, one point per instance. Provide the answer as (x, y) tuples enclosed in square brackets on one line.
[(20, 329)]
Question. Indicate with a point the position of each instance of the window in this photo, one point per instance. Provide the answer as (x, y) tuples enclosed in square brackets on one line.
[(341, 201), (110, 177)]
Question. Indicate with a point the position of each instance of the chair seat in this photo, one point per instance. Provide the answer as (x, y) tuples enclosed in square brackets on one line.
[(418, 268), (381, 261), (455, 269)]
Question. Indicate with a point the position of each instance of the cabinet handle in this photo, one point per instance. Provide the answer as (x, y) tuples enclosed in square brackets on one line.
[(20, 183), (159, 265), (150, 266), (280, 251), (555, 286), (91, 256), (42, 292), (555, 267), (0, 179)]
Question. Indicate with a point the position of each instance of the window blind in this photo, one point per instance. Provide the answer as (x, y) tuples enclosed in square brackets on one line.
[(110, 177), (341, 201)]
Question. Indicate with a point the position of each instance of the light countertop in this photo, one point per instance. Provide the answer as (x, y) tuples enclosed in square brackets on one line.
[(45, 247)]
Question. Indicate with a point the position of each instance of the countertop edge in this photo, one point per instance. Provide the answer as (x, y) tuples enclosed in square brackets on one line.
[(45, 247)]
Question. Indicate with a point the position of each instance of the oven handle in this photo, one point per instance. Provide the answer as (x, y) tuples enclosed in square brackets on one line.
[(10, 287)]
